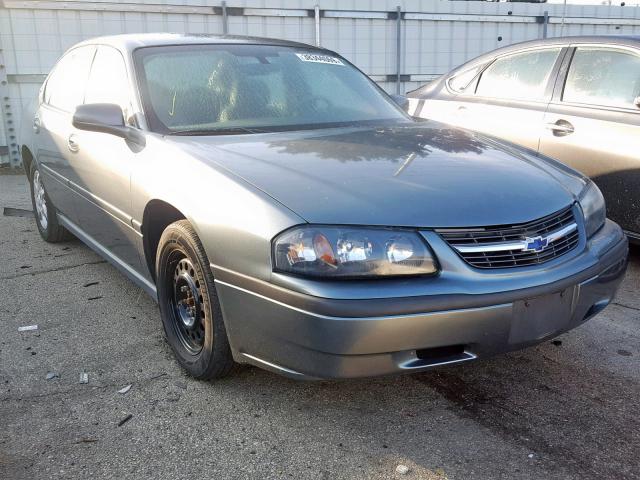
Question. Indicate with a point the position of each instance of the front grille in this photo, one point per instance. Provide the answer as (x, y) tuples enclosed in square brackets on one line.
[(507, 246)]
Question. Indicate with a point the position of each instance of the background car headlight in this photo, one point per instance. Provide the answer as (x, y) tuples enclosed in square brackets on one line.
[(352, 252), (593, 208)]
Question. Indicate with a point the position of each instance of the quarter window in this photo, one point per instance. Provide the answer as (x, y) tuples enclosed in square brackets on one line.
[(600, 76), (67, 83), (520, 76)]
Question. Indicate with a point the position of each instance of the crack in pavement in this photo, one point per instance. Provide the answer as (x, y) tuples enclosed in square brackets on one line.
[(92, 388), (57, 269), (10, 398), (626, 306)]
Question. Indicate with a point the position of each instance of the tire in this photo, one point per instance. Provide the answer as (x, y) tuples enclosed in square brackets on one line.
[(44, 210), (189, 305)]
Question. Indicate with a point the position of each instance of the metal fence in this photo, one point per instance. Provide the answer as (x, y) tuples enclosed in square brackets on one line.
[(399, 43)]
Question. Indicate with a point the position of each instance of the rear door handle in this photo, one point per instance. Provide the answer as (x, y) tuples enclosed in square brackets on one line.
[(560, 128), (72, 143)]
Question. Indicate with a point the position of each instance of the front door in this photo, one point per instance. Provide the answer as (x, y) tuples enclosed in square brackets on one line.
[(105, 163)]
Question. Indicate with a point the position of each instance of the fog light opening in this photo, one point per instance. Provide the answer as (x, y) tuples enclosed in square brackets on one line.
[(441, 353), (432, 357)]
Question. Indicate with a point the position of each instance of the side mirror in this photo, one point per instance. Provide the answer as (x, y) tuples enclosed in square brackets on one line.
[(105, 118), (401, 100)]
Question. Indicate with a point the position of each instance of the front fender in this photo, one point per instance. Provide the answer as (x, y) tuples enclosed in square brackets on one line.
[(234, 220)]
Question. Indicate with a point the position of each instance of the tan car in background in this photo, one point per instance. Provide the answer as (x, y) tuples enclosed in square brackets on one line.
[(575, 99)]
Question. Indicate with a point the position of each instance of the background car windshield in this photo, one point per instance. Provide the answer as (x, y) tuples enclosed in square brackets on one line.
[(220, 87)]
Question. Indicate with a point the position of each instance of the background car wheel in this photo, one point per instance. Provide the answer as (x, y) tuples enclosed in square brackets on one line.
[(189, 304), (44, 211)]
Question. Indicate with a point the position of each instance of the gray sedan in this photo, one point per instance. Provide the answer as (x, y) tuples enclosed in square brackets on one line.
[(286, 213)]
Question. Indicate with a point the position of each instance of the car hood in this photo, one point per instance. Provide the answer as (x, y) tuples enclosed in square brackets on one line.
[(419, 175)]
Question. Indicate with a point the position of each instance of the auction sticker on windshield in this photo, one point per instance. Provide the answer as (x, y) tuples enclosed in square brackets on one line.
[(314, 57)]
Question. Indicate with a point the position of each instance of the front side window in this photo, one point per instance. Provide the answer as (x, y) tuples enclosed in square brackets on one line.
[(601, 76), (67, 83), (209, 88), (108, 79), (522, 76)]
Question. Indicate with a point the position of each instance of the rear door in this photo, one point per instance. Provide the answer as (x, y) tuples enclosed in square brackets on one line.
[(593, 125), (56, 154), (511, 96)]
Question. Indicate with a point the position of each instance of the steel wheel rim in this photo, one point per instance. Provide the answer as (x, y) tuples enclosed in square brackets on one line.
[(40, 200), (186, 303)]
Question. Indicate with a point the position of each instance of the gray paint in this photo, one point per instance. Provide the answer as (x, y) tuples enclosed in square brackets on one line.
[(394, 175)]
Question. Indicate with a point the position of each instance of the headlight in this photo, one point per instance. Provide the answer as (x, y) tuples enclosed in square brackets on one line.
[(593, 208), (352, 252)]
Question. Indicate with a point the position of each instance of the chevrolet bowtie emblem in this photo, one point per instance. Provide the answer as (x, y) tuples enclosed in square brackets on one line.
[(535, 244)]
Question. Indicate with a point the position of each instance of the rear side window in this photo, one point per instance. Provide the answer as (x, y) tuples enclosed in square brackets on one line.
[(108, 81), (67, 83), (521, 76), (601, 76)]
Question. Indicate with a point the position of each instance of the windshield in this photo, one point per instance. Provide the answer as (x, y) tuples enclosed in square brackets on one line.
[(200, 89)]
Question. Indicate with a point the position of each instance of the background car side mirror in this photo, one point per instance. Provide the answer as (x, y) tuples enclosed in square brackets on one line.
[(401, 100), (636, 101), (105, 118)]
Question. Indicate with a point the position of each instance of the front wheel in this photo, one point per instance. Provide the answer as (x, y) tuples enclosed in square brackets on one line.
[(189, 304)]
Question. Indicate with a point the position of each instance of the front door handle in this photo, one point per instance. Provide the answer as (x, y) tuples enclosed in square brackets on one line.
[(560, 128), (72, 143)]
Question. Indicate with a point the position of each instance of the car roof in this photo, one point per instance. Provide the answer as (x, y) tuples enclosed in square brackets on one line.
[(131, 41), (631, 40), (625, 40)]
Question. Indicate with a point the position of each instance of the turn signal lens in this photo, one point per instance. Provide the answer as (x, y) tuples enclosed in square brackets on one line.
[(323, 250), (352, 252)]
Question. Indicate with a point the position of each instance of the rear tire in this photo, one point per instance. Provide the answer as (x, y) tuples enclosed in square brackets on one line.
[(44, 210), (189, 305)]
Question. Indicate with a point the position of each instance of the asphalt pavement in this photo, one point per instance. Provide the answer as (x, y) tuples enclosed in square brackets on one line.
[(567, 409)]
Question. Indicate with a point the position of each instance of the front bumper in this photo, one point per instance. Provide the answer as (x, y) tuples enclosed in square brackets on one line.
[(320, 336)]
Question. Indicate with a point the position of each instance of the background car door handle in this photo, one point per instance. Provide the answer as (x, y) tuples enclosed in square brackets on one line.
[(560, 128), (36, 124), (72, 143)]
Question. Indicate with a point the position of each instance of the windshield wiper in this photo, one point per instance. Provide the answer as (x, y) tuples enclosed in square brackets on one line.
[(217, 131)]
